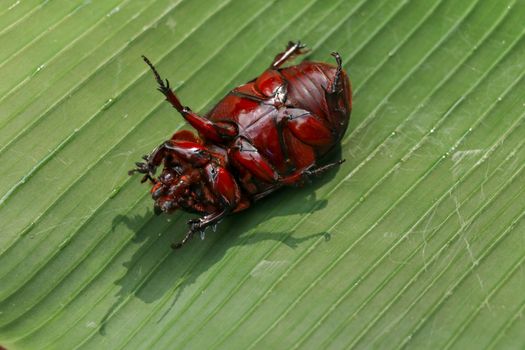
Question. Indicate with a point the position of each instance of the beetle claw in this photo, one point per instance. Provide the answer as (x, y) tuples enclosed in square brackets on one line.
[(186, 238), (297, 45), (195, 224), (292, 49), (337, 57), (144, 168)]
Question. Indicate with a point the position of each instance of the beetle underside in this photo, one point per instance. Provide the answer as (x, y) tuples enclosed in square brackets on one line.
[(263, 135)]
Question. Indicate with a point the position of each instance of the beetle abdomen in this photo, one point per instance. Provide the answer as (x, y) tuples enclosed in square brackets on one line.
[(293, 130), (308, 85)]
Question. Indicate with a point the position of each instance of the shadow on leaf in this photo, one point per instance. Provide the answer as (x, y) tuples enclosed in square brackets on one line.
[(177, 270)]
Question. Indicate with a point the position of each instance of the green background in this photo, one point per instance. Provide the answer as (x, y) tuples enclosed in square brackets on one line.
[(416, 241)]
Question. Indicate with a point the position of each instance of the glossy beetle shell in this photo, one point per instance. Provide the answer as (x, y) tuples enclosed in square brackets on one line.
[(257, 114), (270, 132)]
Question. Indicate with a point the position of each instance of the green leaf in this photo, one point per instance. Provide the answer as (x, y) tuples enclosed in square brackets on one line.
[(416, 240)]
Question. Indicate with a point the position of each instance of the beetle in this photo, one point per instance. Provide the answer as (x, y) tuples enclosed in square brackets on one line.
[(268, 133)]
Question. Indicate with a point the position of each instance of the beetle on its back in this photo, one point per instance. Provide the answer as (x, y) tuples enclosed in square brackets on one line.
[(263, 135)]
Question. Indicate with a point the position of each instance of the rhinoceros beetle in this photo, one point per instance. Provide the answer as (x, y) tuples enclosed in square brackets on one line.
[(268, 133)]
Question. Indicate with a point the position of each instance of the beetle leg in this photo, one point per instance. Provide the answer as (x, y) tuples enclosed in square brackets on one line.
[(337, 84), (336, 97), (185, 240), (164, 87), (297, 178), (307, 174), (188, 151), (308, 128), (226, 188), (223, 185), (199, 225), (335, 94), (147, 167), (292, 50), (185, 135), (191, 152), (246, 155), (215, 131), (267, 191)]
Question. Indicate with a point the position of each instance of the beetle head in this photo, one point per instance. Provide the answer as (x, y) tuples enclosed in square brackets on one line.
[(181, 185)]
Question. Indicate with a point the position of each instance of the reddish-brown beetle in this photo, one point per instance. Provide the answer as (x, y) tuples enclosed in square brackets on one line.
[(263, 135)]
